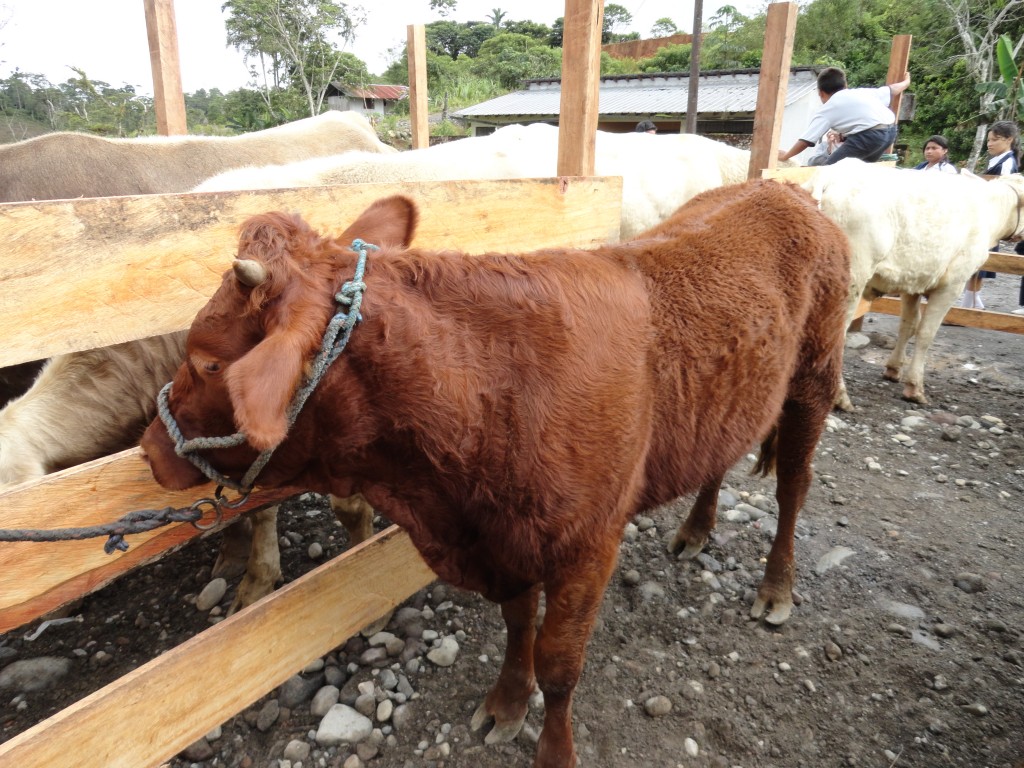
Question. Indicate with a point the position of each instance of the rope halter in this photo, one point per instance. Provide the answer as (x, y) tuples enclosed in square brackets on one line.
[(336, 336)]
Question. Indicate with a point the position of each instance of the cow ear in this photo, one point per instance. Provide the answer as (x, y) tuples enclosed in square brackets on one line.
[(389, 221), (261, 385)]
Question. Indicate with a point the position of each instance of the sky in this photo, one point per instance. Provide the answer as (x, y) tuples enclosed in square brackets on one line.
[(107, 38)]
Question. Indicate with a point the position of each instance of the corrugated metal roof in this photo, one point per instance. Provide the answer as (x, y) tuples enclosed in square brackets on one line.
[(393, 92), (666, 95)]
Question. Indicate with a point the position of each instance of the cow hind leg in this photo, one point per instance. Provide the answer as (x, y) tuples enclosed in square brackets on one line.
[(910, 310), (799, 428), (508, 701), (939, 302), (693, 534)]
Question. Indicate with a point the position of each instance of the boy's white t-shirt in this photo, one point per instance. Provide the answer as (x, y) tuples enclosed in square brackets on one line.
[(851, 110)]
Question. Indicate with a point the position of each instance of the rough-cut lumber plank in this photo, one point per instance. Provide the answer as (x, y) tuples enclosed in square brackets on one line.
[(419, 114), (86, 273), (581, 82), (972, 318), (36, 578), (1007, 263), (899, 61), (780, 30), (227, 667), (168, 98)]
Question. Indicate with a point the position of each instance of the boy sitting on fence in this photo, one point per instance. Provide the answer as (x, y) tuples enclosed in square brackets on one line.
[(860, 115)]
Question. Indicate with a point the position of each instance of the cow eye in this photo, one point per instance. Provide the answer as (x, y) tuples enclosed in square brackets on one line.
[(211, 367)]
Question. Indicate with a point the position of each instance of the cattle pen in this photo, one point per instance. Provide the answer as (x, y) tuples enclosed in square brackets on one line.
[(86, 273)]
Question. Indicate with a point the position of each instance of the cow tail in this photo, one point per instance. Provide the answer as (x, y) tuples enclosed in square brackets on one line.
[(769, 450)]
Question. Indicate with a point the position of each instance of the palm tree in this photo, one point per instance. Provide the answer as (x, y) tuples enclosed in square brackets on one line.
[(496, 16)]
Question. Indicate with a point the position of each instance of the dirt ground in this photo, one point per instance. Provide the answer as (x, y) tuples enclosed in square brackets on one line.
[(907, 648)]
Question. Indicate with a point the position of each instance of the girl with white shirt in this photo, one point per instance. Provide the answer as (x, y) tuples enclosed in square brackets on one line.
[(936, 156)]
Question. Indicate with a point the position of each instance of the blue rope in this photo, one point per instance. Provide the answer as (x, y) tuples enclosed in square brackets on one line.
[(336, 336)]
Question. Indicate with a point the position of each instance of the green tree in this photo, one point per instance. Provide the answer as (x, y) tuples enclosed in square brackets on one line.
[(454, 39), (669, 58), (615, 17), (541, 32), (509, 59), (1007, 92), (288, 44), (496, 17), (664, 27), (443, 7)]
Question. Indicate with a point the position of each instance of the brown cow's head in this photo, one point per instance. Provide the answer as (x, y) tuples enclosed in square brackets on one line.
[(248, 347)]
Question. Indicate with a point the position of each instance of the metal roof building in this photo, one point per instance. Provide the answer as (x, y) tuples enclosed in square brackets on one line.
[(726, 101)]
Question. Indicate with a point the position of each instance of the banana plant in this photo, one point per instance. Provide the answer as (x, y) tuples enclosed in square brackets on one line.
[(1008, 92)]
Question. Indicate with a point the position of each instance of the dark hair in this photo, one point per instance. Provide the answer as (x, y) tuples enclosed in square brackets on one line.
[(1008, 129), (645, 125), (831, 80), (936, 138)]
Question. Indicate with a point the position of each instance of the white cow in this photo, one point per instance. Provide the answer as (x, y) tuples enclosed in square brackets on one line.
[(659, 172), (920, 235)]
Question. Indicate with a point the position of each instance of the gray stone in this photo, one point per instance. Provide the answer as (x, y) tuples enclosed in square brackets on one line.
[(342, 725), (323, 700), (36, 674), (268, 715), (298, 690), (296, 751), (212, 594)]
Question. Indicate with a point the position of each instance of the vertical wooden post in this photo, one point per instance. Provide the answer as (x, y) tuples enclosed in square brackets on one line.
[(168, 98), (693, 89), (771, 86), (416, 47), (899, 60), (581, 82)]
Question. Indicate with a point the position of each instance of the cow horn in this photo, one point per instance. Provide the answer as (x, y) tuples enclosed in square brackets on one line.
[(249, 272)]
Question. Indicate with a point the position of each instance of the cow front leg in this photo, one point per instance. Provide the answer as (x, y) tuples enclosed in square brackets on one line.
[(508, 701), (571, 608), (693, 534), (355, 513), (263, 569), (235, 545)]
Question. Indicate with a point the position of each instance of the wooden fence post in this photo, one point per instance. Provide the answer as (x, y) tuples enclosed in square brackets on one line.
[(771, 87), (419, 114), (168, 98), (581, 82)]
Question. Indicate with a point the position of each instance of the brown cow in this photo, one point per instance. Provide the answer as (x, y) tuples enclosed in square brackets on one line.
[(513, 412)]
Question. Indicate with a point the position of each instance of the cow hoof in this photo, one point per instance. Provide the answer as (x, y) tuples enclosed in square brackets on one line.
[(912, 394), (502, 732), (779, 613), (891, 374), (844, 404), (686, 545)]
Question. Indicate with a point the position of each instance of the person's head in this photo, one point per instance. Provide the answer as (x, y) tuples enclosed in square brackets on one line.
[(646, 126), (936, 149), (831, 80), (1002, 136)]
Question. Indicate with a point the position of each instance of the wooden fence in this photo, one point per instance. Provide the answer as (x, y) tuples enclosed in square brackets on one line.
[(80, 274)]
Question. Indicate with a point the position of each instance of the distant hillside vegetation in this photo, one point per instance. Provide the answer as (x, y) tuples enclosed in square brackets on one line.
[(16, 128)]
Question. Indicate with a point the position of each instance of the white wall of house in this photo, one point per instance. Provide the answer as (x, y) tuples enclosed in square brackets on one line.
[(366, 106)]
